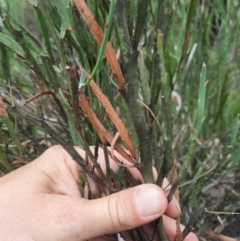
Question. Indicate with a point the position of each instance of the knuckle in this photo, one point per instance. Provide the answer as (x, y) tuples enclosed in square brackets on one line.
[(55, 148), (55, 151), (116, 212)]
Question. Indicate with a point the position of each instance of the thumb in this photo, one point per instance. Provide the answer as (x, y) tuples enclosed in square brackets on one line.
[(121, 211)]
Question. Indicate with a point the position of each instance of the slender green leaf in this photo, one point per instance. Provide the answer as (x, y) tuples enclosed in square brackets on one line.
[(12, 131), (83, 78), (234, 131), (65, 21), (12, 44), (201, 101), (120, 173), (104, 41), (73, 134), (16, 47), (45, 33)]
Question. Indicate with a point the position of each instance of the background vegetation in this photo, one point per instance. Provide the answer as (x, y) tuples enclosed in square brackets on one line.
[(61, 84)]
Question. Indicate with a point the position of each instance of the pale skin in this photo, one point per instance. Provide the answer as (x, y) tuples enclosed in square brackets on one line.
[(41, 202)]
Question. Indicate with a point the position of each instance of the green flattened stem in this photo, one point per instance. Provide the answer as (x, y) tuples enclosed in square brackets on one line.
[(201, 101), (167, 106), (104, 43)]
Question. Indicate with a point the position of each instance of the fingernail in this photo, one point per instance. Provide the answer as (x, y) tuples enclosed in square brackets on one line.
[(177, 204), (148, 201)]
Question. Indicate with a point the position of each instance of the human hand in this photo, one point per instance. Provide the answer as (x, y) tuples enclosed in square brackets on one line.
[(41, 202)]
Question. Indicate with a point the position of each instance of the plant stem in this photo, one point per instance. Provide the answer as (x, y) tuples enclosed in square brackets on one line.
[(161, 230), (130, 94), (142, 9), (181, 171), (167, 106)]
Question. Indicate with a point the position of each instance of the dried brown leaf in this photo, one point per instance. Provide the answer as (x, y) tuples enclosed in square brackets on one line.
[(103, 134), (38, 95), (112, 114)]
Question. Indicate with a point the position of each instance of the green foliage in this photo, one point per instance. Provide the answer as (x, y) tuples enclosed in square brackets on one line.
[(46, 49), (201, 101)]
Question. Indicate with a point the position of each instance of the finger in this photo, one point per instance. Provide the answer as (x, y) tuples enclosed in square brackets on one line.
[(59, 172), (95, 190), (173, 209), (52, 172), (120, 211), (63, 171), (170, 227)]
